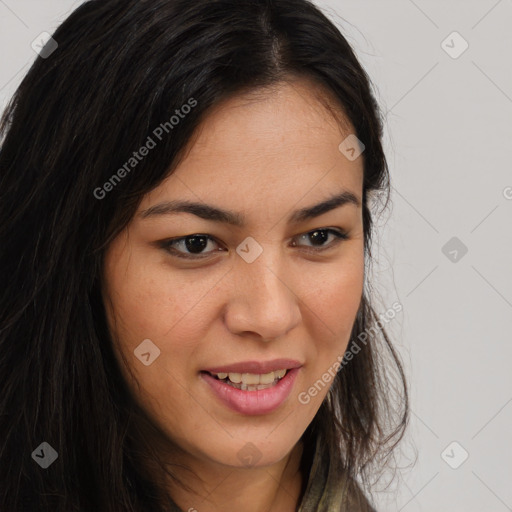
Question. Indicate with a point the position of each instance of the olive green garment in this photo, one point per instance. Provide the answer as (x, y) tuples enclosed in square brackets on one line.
[(327, 489)]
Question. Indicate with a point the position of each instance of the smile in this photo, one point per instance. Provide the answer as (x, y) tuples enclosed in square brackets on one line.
[(260, 391)]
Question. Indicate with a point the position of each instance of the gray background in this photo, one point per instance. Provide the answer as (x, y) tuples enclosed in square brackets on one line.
[(448, 139)]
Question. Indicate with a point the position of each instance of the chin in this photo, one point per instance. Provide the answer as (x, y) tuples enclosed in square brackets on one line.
[(252, 454)]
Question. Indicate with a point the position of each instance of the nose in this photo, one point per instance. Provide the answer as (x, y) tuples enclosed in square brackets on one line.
[(262, 301)]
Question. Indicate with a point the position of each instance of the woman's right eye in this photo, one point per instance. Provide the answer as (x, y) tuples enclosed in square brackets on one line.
[(195, 244)]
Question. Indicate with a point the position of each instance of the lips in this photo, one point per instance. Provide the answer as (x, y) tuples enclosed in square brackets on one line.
[(257, 367), (250, 399), (263, 401)]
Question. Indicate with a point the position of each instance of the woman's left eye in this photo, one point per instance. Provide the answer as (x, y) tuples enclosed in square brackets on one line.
[(195, 244), (321, 235)]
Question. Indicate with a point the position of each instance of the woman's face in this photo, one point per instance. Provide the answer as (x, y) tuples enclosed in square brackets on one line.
[(247, 294)]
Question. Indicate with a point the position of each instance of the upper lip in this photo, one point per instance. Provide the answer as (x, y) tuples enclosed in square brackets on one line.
[(259, 367)]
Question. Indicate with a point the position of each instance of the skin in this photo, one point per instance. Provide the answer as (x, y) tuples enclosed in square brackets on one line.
[(263, 156)]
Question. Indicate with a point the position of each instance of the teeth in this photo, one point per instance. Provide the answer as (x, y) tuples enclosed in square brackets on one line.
[(266, 378), (235, 377), (253, 379), (245, 387)]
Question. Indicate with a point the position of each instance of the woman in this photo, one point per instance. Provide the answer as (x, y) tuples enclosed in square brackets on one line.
[(185, 228)]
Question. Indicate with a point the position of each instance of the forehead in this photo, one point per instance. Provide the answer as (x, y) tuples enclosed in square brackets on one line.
[(281, 140), (285, 117)]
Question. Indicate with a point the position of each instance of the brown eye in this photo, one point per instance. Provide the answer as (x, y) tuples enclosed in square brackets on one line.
[(190, 247), (318, 237)]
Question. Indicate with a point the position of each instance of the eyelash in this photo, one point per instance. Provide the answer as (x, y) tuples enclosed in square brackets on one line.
[(167, 244)]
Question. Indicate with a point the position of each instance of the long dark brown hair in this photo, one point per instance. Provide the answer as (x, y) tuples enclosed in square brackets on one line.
[(121, 69)]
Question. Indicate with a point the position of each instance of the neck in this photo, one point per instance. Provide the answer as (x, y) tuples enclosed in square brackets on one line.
[(213, 487)]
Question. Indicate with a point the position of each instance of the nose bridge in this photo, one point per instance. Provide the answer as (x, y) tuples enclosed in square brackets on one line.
[(263, 299)]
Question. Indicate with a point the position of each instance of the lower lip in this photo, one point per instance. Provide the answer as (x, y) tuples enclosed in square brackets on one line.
[(262, 401)]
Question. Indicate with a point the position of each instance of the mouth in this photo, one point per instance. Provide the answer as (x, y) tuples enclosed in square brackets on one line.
[(250, 381), (253, 388)]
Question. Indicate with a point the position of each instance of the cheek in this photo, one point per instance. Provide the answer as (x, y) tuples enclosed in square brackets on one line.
[(335, 296), (334, 308), (147, 303), (174, 313), (145, 306)]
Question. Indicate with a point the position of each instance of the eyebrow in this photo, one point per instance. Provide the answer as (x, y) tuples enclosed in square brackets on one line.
[(212, 213)]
